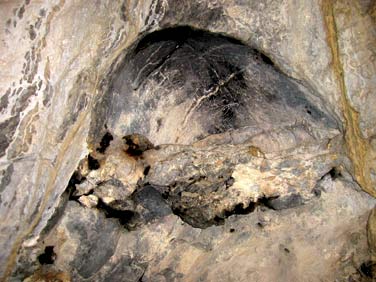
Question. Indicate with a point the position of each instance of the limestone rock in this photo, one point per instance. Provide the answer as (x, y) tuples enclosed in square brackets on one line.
[(89, 201), (204, 184), (294, 244), (84, 188), (237, 106)]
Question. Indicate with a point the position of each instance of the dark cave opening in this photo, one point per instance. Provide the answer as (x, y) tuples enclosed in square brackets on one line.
[(124, 217), (136, 144), (48, 257), (105, 142), (180, 34), (207, 84), (93, 163), (181, 85)]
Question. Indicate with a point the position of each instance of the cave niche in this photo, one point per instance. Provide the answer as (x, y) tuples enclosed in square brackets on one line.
[(181, 85), (186, 87)]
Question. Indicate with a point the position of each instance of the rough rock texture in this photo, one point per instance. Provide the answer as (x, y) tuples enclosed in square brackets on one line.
[(371, 230), (324, 240), (294, 104), (176, 78)]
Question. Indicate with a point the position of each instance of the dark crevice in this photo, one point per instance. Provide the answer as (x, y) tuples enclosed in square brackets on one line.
[(317, 191), (71, 189), (151, 201), (266, 59), (125, 217), (368, 269), (335, 173), (179, 35), (105, 142), (308, 110), (142, 276), (194, 215), (165, 195), (281, 203), (240, 209), (217, 221), (137, 144), (73, 195), (146, 170), (75, 179), (48, 257), (261, 224), (93, 163), (229, 182)]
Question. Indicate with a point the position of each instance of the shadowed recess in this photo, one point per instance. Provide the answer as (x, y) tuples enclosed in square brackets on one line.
[(181, 85)]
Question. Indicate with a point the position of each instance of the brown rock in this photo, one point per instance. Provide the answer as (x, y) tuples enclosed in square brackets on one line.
[(371, 233)]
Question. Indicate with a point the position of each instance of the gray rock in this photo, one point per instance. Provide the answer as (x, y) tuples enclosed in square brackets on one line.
[(326, 236), (289, 201)]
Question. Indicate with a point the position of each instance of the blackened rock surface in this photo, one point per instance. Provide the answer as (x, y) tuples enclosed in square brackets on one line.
[(188, 84), (285, 202), (152, 205), (92, 240), (137, 144), (204, 185)]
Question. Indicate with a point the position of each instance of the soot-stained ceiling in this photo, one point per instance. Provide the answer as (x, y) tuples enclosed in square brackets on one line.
[(180, 85)]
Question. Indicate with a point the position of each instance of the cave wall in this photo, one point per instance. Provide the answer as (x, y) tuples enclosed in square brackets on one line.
[(57, 59)]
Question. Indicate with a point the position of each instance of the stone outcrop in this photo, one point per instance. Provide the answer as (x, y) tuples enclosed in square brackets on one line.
[(324, 239), (239, 133)]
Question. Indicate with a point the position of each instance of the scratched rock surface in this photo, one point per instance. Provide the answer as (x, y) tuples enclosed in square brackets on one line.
[(283, 81), (176, 78)]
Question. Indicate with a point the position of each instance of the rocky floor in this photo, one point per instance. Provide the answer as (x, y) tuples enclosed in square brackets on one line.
[(323, 239), (138, 212)]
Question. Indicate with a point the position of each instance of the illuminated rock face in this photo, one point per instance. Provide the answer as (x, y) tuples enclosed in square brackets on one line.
[(186, 140)]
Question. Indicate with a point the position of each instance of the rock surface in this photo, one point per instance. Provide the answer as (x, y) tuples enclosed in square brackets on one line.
[(323, 240), (249, 105)]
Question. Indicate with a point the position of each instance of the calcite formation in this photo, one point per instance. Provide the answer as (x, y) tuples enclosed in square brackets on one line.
[(204, 140)]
